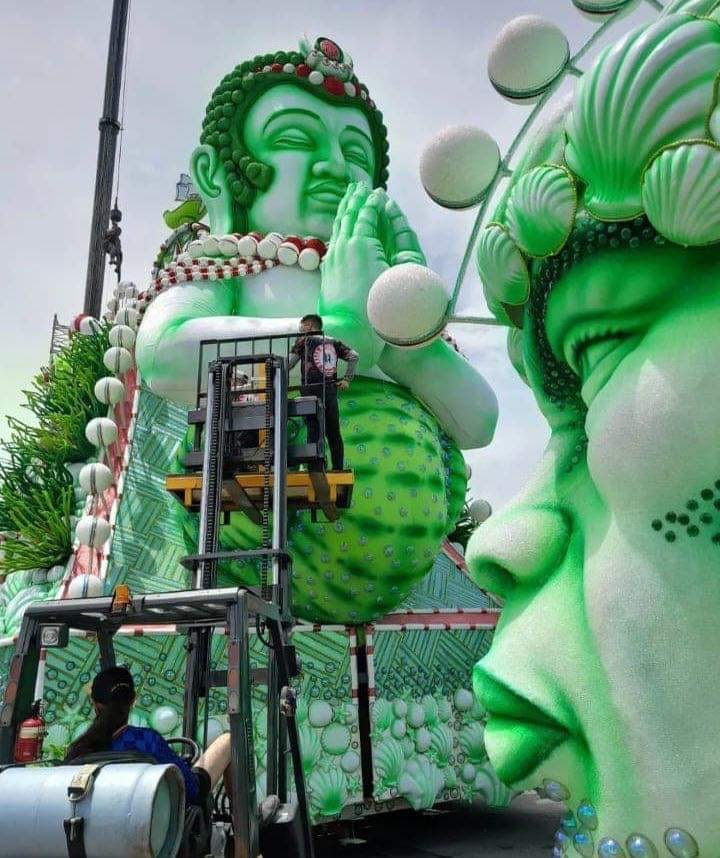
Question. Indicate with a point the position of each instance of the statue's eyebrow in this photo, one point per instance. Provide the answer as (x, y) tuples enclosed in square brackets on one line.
[(288, 110), (360, 132)]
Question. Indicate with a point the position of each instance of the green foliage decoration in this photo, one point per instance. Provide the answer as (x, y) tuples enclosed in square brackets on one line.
[(36, 489)]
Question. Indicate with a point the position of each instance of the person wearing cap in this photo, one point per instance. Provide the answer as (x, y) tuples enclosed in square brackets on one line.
[(319, 355)]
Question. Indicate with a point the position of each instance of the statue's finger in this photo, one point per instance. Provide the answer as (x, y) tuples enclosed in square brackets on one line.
[(342, 208), (354, 205), (404, 237), (369, 216)]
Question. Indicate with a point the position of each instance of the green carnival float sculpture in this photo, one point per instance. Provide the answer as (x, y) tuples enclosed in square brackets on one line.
[(294, 154), (603, 255)]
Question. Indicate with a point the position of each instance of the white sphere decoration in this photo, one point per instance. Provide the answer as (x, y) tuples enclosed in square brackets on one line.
[(407, 305), (118, 360), (122, 335), (526, 57), (164, 719), (88, 326), (101, 431), (93, 531), (480, 510), (458, 165), (96, 478), (127, 316), (109, 390), (85, 587)]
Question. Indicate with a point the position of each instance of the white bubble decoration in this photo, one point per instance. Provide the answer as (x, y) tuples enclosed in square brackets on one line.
[(458, 165), (527, 56), (480, 510), (93, 531), (118, 360), (101, 431), (96, 478), (407, 305), (109, 390), (85, 587)]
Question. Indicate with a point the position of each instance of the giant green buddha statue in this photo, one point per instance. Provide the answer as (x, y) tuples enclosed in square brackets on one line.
[(601, 684), (292, 167)]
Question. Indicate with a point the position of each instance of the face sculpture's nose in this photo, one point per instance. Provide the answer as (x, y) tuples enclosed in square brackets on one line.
[(518, 548), (332, 164)]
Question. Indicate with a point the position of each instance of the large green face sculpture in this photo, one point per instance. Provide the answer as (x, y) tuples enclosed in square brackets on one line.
[(313, 149), (293, 144), (599, 682)]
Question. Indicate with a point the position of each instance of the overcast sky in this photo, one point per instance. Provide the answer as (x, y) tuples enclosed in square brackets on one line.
[(425, 65)]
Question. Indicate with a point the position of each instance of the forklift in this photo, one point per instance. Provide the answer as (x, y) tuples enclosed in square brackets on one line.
[(225, 475)]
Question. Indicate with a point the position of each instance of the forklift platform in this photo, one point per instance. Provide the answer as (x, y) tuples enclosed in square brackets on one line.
[(329, 491)]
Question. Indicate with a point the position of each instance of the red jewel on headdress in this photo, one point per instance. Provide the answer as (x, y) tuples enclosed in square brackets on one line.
[(334, 86), (276, 67), (330, 49), (302, 70)]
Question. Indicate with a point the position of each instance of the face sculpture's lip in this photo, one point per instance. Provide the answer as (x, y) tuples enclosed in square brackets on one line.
[(328, 193), (519, 734)]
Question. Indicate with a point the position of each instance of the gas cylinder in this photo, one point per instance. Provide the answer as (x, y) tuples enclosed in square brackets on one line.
[(30, 735)]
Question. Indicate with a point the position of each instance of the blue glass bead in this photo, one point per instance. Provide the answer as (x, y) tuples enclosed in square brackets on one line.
[(583, 844), (639, 846), (681, 844), (608, 847), (587, 816)]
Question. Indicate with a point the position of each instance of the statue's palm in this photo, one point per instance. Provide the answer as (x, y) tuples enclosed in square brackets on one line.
[(369, 235)]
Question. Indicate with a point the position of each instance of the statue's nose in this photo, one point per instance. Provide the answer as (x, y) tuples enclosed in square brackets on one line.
[(522, 545), (332, 164)]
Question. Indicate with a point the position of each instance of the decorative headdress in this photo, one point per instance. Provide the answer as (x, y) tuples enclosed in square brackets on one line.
[(325, 70), (638, 158)]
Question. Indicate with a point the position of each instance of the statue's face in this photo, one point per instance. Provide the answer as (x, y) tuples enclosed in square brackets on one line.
[(609, 561), (315, 149)]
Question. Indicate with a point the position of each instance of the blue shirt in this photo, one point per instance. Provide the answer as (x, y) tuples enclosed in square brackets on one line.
[(148, 741)]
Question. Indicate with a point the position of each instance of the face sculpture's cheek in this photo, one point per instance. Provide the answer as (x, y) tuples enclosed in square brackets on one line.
[(610, 560), (315, 150)]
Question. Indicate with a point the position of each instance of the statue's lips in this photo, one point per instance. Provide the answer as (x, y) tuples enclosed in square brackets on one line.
[(327, 193), (518, 735)]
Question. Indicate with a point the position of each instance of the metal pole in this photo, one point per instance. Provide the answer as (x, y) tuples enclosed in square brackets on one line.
[(109, 127)]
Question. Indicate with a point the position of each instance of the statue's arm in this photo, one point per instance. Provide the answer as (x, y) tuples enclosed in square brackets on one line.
[(450, 386), (168, 344)]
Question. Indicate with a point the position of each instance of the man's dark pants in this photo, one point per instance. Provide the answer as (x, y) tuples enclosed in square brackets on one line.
[(332, 423)]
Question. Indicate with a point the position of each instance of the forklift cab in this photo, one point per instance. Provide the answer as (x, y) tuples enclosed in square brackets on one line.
[(99, 805)]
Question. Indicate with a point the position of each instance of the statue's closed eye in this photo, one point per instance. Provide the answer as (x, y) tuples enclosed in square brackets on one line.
[(357, 155), (294, 138)]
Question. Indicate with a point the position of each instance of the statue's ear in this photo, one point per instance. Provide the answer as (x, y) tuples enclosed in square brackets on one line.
[(210, 178)]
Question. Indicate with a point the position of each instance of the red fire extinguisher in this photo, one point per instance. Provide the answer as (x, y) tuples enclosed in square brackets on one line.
[(30, 735)]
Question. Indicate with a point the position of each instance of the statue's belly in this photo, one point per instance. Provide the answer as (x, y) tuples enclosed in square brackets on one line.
[(365, 563)]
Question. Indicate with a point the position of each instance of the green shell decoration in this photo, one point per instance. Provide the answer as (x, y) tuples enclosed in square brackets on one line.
[(451, 778), (502, 269), (491, 788), (416, 715), (420, 783), (432, 712), (350, 762), (388, 759), (444, 709), (681, 193), (327, 792), (335, 739), (310, 748), (652, 88), (408, 747), (441, 744), (472, 741), (541, 210), (423, 740), (382, 714)]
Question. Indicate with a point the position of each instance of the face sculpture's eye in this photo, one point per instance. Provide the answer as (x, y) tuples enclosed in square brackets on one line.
[(292, 138)]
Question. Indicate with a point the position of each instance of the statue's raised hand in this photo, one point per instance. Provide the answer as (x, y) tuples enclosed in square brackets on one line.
[(355, 259)]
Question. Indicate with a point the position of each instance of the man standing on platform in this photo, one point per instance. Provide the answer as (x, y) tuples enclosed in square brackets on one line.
[(319, 356)]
